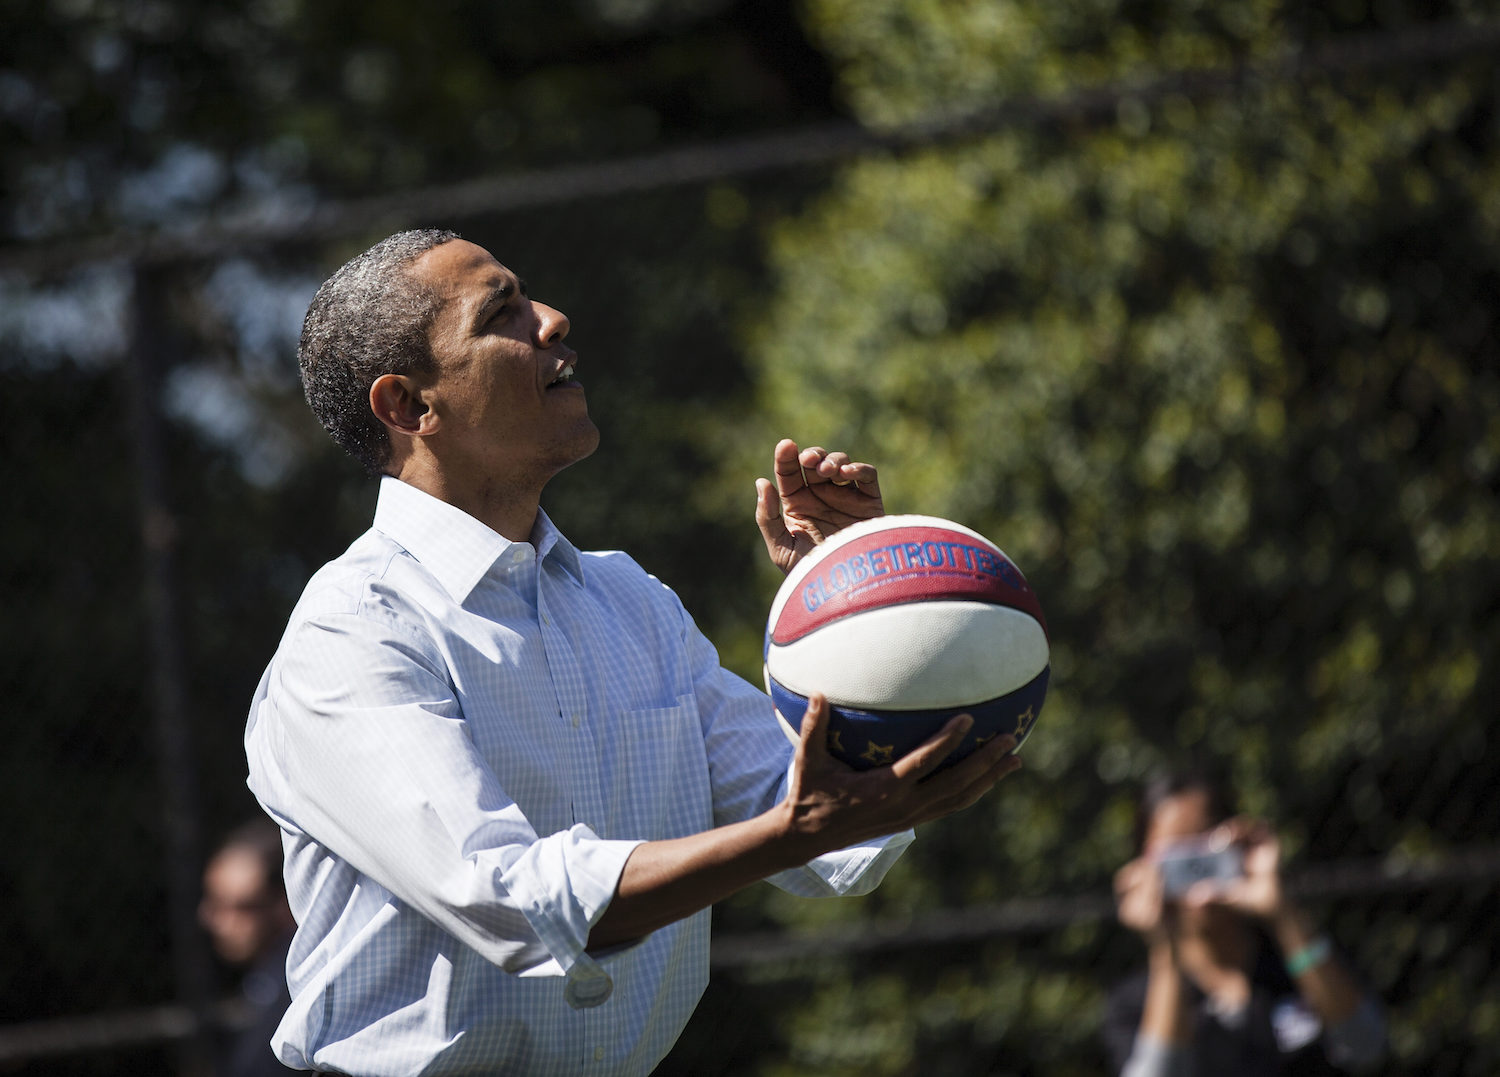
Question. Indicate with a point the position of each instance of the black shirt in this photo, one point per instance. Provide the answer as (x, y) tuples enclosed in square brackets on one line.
[(1276, 1034)]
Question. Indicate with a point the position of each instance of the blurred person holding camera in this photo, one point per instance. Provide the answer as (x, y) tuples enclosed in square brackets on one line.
[(244, 909), (1238, 979)]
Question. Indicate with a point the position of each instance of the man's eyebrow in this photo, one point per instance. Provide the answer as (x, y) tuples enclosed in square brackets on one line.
[(497, 295)]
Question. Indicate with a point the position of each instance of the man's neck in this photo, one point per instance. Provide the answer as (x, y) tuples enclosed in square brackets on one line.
[(508, 510)]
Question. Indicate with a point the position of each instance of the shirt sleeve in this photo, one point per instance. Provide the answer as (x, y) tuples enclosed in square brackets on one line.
[(1357, 1044), (749, 758), (357, 736), (1121, 1019), (1152, 1058)]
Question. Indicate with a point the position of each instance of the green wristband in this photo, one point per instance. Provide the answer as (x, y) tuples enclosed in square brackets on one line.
[(1309, 957)]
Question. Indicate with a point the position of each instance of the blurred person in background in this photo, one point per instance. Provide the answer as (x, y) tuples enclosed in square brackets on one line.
[(245, 912), (1239, 981), (512, 775)]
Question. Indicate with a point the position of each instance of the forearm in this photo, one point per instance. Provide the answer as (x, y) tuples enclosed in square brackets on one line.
[(827, 807), (666, 881), (1319, 975), (1167, 1017), (1163, 1039)]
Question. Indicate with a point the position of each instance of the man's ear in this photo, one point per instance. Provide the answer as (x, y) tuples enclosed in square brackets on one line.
[(397, 401)]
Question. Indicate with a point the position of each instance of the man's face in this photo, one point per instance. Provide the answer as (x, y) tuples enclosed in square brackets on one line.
[(509, 411), (242, 915)]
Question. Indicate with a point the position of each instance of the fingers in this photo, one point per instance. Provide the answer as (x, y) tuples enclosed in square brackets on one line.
[(1205, 892), (813, 732), (799, 469), (829, 468), (1130, 874), (810, 759), (961, 785), (787, 468), (925, 757), (817, 466), (783, 547), (845, 805), (997, 768), (1245, 830)]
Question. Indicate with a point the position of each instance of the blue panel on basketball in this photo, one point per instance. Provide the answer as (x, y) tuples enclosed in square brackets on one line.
[(903, 622)]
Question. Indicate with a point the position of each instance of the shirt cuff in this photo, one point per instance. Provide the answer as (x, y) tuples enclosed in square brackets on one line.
[(1358, 1042), (563, 885), (850, 872), (1150, 1057), (587, 984)]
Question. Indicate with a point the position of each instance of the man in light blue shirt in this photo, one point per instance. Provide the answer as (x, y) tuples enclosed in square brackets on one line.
[(512, 776)]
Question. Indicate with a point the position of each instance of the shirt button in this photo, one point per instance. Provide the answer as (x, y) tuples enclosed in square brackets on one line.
[(574, 720), (598, 1054)]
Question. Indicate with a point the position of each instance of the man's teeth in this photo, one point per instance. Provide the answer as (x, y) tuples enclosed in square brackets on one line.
[(567, 372)]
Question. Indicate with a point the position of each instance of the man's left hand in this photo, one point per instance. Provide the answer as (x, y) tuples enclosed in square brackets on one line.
[(815, 495)]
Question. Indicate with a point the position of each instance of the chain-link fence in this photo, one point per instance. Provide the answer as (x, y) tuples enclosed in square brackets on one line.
[(173, 497)]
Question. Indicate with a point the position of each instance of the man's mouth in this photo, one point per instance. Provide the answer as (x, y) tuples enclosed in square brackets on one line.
[(563, 378)]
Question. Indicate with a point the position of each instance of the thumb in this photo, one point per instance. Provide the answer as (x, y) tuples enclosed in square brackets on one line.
[(768, 515), (767, 503), (812, 741)]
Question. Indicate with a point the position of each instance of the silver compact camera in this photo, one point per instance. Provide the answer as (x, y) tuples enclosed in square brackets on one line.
[(1187, 862)]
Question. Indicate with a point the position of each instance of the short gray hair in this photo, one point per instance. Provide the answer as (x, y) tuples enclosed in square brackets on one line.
[(370, 318)]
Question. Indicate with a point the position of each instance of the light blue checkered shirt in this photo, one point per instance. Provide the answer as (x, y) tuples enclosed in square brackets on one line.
[(463, 738)]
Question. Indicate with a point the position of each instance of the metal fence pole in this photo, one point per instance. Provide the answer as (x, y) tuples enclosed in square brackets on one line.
[(146, 361)]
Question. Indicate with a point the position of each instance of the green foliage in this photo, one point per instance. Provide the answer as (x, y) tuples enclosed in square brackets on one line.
[(1220, 375), (277, 101)]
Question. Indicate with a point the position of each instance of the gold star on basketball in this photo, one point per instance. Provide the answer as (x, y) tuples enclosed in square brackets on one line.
[(1023, 722), (877, 753), (835, 740), (980, 742)]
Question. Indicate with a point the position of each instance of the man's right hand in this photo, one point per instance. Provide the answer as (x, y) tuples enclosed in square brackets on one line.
[(830, 805)]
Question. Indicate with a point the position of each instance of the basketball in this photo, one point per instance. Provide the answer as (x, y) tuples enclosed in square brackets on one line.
[(903, 622)]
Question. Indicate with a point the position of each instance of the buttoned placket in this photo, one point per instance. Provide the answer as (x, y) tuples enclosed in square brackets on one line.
[(597, 1025), (548, 582), (567, 683)]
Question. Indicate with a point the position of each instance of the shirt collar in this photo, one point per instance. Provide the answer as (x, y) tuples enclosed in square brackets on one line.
[(552, 543), (454, 546)]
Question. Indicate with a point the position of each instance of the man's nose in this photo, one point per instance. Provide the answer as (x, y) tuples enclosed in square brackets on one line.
[(552, 325)]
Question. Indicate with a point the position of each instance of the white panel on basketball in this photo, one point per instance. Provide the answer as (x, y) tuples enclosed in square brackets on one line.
[(915, 656)]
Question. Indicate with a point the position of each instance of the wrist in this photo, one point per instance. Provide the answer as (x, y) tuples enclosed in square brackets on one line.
[(1291, 927), (1300, 962), (1161, 952), (792, 838)]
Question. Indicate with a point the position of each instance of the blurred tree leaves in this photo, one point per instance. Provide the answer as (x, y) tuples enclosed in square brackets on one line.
[(133, 112), (1221, 376)]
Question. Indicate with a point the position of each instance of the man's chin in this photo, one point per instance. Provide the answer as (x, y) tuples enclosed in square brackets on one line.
[(584, 446)]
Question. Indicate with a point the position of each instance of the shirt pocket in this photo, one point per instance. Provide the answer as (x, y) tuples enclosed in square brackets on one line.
[(658, 772)]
